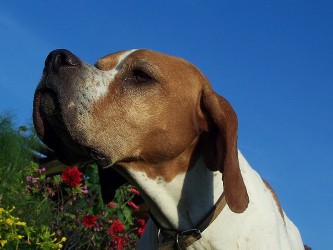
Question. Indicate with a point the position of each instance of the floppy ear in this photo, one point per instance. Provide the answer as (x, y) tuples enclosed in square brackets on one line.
[(224, 118)]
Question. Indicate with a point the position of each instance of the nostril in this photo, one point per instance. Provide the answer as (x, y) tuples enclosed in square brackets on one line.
[(68, 58), (61, 58)]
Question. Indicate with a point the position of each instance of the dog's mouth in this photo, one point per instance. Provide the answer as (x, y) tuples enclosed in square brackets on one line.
[(100, 159), (51, 129), (60, 68)]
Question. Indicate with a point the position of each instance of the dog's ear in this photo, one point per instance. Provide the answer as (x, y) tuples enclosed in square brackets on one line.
[(222, 131)]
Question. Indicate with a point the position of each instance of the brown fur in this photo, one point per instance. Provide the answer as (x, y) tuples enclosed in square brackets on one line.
[(155, 126)]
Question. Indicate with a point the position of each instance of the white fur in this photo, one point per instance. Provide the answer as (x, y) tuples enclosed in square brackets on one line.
[(79, 97), (95, 83), (187, 199)]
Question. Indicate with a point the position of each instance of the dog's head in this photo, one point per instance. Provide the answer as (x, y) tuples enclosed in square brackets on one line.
[(136, 105)]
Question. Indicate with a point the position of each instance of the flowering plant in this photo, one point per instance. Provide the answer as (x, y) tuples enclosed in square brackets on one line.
[(72, 177), (63, 211), (80, 215), (15, 233)]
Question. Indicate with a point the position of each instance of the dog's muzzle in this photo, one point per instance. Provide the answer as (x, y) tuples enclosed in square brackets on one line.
[(47, 113)]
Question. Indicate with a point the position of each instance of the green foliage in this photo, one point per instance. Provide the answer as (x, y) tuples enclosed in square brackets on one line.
[(16, 163), (15, 159), (80, 216), (16, 234), (53, 212)]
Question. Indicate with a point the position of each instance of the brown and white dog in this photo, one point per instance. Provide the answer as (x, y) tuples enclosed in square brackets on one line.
[(155, 119)]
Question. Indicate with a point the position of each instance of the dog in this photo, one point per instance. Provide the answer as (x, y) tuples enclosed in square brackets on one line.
[(155, 120)]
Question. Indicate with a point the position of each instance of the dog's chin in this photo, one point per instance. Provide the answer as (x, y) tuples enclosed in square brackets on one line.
[(52, 130)]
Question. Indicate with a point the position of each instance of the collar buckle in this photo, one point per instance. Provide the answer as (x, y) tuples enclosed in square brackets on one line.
[(173, 239), (194, 234)]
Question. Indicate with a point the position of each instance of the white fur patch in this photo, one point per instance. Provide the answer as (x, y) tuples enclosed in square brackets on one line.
[(260, 226), (96, 82), (186, 198)]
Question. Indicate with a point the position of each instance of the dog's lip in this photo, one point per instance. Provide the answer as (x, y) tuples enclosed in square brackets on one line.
[(53, 131), (38, 119), (47, 112), (100, 159), (39, 107)]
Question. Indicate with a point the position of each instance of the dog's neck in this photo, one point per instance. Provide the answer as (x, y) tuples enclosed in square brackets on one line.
[(182, 202)]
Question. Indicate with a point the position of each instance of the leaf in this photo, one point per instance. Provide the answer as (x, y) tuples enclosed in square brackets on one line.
[(120, 215), (128, 216)]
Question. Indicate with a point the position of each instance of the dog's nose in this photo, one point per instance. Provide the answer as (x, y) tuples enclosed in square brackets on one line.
[(61, 58)]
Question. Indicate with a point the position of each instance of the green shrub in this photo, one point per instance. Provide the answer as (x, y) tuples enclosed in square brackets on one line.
[(16, 234), (16, 163), (61, 211)]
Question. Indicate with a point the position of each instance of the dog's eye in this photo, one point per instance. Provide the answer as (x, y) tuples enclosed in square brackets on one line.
[(141, 77)]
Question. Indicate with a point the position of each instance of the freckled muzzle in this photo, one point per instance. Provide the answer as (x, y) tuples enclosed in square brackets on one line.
[(61, 68), (47, 113)]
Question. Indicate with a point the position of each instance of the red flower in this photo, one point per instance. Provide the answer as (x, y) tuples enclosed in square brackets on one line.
[(116, 228), (72, 177), (112, 204), (133, 205), (141, 222), (119, 242), (141, 230), (89, 220), (134, 191), (142, 226)]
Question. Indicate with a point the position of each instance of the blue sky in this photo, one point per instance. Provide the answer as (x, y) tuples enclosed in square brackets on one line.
[(273, 60)]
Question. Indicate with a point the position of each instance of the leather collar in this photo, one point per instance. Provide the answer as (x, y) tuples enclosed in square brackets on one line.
[(174, 239)]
